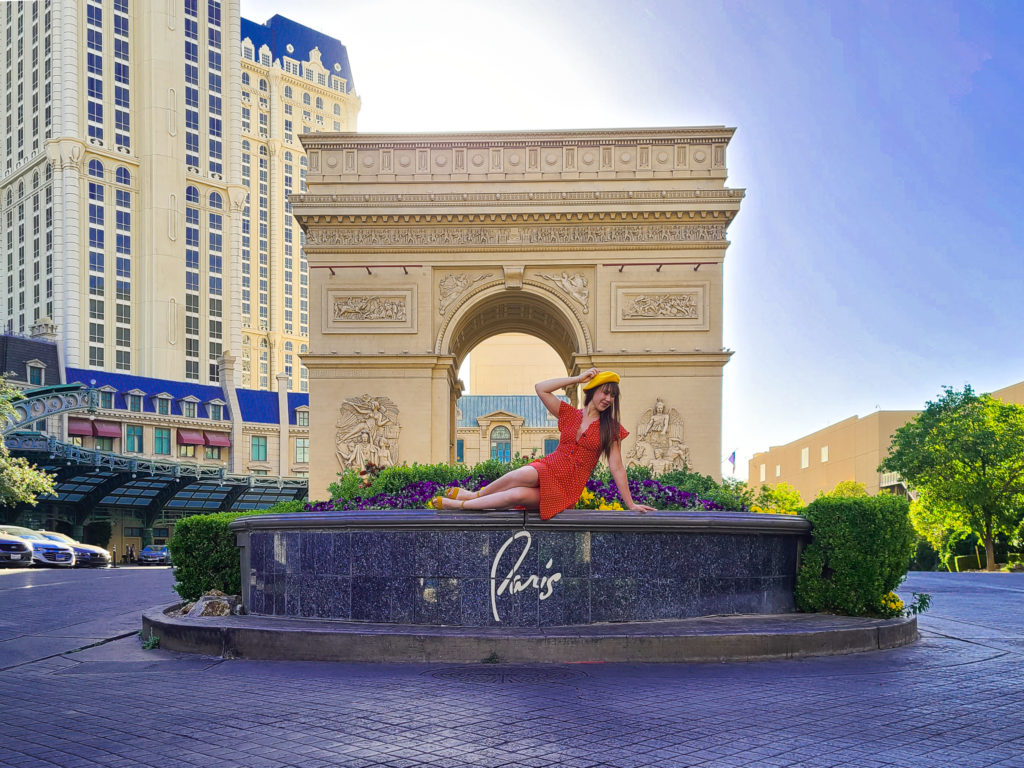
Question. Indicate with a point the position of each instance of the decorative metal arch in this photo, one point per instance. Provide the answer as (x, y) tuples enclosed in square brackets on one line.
[(38, 404)]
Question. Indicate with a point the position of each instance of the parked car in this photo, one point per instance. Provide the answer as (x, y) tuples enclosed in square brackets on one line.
[(15, 551), (86, 555), (44, 551), (155, 555)]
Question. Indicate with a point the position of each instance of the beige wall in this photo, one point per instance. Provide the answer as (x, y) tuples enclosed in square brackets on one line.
[(851, 449), (510, 364)]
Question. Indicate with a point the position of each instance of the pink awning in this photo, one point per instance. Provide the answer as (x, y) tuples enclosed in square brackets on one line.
[(190, 437), (106, 429), (79, 427), (217, 438)]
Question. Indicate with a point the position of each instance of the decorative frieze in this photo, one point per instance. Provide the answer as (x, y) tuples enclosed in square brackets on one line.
[(360, 311), (681, 307), (502, 236)]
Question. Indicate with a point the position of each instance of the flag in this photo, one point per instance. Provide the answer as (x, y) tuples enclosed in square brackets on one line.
[(732, 460)]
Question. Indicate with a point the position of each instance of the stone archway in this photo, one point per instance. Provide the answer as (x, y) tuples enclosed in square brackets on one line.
[(607, 245)]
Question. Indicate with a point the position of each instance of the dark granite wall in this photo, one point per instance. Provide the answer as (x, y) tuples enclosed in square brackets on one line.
[(444, 576)]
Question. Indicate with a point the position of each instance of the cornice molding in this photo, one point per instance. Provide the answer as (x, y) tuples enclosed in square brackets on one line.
[(520, 139)]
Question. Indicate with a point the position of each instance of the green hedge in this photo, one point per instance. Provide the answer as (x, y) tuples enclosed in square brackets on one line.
[(205, 555), (859, 552), (972, 562)]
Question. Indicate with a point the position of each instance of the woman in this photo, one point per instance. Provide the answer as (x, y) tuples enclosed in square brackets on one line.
[(555, 482)]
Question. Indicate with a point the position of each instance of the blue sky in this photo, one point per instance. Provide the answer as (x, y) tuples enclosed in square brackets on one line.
[(877, 256)]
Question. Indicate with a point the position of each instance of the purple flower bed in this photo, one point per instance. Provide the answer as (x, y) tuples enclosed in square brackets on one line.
[(417, 494)]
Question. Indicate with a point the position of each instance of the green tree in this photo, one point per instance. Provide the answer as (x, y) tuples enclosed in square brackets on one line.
[(20, 482), (845, 489), (781, 499), (965, 453)]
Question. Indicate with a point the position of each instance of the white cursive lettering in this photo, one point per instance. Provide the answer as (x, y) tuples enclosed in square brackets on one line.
[(513, 583)]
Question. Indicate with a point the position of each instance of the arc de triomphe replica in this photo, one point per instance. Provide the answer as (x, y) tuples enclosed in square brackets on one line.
[(607, 245)]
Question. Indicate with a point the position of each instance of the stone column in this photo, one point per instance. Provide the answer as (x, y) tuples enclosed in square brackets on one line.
[(283, 458), (226, 366)]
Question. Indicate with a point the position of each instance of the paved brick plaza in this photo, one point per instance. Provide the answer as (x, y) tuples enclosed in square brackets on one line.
[(954, 698)]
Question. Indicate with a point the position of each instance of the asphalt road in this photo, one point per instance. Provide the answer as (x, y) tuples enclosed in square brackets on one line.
[(77, 689)]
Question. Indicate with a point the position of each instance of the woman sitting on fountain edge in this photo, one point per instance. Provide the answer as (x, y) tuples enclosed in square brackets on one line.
[(554, 483)]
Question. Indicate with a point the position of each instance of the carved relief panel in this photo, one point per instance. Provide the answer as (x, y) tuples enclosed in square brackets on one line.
[(367, 432), (657, 308), (659, 440), (452, 286), (361, 311)]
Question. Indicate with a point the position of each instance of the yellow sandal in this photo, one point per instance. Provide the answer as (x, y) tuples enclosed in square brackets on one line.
[(435, 503)]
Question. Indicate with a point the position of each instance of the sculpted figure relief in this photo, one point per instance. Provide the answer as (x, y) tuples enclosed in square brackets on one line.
[(368, 308), (671, 305), (367, 431), (453, 285), (659, 440), (575, 285)]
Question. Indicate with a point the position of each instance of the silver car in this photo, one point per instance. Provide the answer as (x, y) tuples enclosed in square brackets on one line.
[(85, 554), (44, 551)]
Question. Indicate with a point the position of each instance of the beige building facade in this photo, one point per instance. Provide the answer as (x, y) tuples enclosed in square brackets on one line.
[(511, 364), (606, 245), (851, 449), (290, 87), (149, 151)]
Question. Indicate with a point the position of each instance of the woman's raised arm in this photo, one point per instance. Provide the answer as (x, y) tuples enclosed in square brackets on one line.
[(546, 389)]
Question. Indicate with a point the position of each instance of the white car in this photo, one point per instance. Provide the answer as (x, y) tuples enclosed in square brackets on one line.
[(44, 551)]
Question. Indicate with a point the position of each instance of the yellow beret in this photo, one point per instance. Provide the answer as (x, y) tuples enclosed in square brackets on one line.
[(602, 378)]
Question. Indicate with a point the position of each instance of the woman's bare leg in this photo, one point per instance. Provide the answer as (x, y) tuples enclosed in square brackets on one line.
[(524, 477), (514, 497)]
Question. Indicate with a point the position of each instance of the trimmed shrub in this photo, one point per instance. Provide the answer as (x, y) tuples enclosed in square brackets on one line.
[(205, 556), (859, 553), (968, 562), (204, 552)]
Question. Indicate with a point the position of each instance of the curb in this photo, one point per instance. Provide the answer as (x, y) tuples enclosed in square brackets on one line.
[(708, 639)]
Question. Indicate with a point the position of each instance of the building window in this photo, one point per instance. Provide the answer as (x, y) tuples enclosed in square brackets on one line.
[(824, 454), (213, 451), (187, 451), (134, 402), (162, 441), (805, 458), (188, 409), (762, 472), (133, 439), (106, 399), (163, 406), (302, 418), (35, 375), (501, 444), (460, 451), (258, 448), (778, 470), (550, 445), (75, 440), (104, 443), (215, 412), (302, 450)]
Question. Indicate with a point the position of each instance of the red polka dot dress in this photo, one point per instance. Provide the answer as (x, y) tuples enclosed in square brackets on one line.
[(564, 473)]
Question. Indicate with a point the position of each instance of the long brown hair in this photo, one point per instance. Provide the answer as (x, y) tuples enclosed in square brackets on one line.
[(609, 417)]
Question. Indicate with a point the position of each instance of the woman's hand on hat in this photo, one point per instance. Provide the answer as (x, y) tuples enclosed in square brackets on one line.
[(586, 376)]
